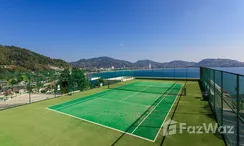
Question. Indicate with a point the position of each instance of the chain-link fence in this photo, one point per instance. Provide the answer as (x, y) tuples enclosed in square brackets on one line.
[(24, 88), (18, 88), (225, 92)]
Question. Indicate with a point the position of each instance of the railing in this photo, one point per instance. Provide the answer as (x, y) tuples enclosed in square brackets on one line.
[(169, 73), (225, 92), (18, 88)]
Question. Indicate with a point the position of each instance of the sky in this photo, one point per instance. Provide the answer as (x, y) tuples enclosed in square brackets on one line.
[(159, 30)]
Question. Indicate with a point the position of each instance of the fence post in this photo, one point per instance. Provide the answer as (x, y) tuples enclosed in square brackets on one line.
[(29, 87), (214, 104), (222, 96), (163, 73), (186, 73), (238, 110), (174, 72), (55, 85), (209, 84)]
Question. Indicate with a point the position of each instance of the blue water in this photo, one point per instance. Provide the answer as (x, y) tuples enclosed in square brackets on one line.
[(238, 70), (164, 72), (229, 80)]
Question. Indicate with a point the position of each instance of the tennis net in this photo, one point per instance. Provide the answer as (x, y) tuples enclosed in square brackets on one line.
[(152, 89)]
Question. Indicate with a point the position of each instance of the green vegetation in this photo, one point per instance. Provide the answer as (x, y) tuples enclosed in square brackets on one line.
[(47, 81), (17, 59), (72, 80), (33, 124)]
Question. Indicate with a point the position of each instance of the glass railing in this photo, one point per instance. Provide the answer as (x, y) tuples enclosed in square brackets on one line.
[(225, 91)]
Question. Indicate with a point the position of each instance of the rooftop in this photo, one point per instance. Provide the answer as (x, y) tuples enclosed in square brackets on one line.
[(37, 124)]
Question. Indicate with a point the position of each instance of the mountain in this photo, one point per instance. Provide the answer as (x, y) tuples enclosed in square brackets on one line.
[(145, 63), (107, 62), (178, 63), (22, 59), (16, 57), (101, 62), (220, 63)]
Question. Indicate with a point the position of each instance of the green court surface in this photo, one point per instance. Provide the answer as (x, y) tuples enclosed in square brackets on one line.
[(138, 109)]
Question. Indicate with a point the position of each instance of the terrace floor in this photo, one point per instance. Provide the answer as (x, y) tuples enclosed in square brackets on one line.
[(34, 124)]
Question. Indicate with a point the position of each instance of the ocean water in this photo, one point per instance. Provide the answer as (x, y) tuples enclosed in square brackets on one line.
[(238, 70), (229, 80), (164, 72)]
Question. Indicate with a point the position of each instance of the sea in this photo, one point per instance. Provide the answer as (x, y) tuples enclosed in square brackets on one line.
[(229, 80), (193, 72)]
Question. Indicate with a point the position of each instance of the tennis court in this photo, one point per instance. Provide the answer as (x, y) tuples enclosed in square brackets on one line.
[(138, 109)]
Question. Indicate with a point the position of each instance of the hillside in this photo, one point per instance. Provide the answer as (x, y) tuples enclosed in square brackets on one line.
[(145, 63), (28, 60), (107, 62), (220, 63), (22, 59), (101, 62), (178, 63)]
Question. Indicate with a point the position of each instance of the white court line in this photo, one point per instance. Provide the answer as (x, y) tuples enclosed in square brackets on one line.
[(124, 102), (106, 92), (152, 110), (167, 115), (153, 86), (135, 93), (114, 128), (101, 125)]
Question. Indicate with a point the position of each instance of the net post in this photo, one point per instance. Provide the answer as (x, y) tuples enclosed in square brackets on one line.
[(238, 110), (184, 91), (108, 83)]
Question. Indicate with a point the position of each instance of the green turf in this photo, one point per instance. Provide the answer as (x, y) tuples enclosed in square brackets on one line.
[(33, 124), (129, 108)]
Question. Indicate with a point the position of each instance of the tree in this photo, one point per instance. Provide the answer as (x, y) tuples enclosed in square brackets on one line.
[(73, 80), (79, 79), (1, 87), (13, 82), (64, 81)]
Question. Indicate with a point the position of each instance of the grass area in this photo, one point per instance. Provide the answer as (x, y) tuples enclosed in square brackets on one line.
[(33, 124)]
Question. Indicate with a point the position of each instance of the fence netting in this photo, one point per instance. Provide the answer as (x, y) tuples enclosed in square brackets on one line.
[(28, 87), (226, 97)]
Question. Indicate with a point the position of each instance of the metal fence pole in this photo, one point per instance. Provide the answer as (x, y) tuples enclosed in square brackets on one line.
[(29, 88), (55, 85), (163, 73), (209, 83), (238, 110), (174, 72), (222, 96), (214, 104), (186, 73)]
